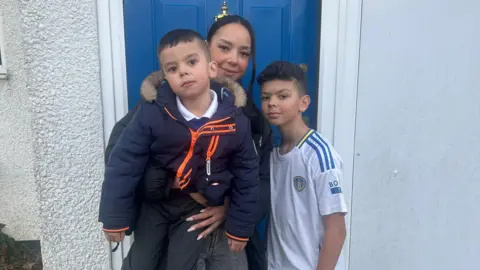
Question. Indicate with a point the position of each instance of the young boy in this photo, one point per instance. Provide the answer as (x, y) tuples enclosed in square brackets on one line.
[(307, 225), (197, 133)]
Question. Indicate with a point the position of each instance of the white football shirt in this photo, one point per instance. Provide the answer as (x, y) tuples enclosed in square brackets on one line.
[(305, 185)]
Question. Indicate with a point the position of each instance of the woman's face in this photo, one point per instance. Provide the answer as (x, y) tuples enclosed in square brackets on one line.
[(230, 47)]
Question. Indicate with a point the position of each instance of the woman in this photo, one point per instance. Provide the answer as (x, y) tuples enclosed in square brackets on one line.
[(232, 44)]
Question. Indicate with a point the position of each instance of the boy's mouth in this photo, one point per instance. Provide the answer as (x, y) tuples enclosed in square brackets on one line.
[(187, 83), (273, 115)]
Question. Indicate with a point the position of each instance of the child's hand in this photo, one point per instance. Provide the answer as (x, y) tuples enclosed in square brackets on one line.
[(236, 246), (115, 236)]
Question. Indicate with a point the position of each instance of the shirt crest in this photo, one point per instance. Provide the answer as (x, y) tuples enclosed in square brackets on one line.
[(299, 183)]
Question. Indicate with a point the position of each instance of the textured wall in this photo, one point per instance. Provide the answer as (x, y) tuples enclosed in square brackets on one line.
[(416, 186), (18, 197), (61, 61)]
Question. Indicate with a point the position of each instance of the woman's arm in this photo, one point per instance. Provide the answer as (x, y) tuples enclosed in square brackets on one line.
[(264, 149)]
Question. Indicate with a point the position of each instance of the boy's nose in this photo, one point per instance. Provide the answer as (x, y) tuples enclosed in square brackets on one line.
[(272, 102), (183, 71)]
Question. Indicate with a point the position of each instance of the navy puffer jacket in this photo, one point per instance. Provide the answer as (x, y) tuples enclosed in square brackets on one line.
[(157, 134)]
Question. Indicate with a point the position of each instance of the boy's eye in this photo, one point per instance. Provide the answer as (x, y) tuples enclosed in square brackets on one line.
[(283, 96), (192, 62), (171, 69), (265, 98)]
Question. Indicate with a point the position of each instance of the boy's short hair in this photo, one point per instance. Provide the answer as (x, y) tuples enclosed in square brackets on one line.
[(285, 71), (176, 36)]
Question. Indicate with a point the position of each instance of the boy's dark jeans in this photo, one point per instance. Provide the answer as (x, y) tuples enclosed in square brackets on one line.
[(217, 255), (162, 230), (157, 246)]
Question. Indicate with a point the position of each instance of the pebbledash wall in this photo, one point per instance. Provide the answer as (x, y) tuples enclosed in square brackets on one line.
[(51, 130)]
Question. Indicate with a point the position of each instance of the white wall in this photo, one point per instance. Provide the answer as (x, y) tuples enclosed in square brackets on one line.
[(19, 208), (416, 187), (53, 144)]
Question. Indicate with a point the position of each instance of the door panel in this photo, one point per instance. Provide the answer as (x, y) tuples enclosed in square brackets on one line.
[(145, 24), (284, 30)]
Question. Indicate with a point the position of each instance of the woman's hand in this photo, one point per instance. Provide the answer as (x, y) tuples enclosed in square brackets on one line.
[(212, 217)]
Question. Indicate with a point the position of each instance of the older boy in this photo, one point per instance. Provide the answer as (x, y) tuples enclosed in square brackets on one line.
[(307, 225)]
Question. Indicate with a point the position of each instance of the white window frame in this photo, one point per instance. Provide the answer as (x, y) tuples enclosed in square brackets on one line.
[(3, 60)]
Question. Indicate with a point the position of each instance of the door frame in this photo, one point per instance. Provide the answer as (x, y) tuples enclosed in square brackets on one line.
[(113, 79), (337, 95), (338, 82)]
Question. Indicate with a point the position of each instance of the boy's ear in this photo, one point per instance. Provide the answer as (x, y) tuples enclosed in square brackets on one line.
[(304, 103), (212, 69)]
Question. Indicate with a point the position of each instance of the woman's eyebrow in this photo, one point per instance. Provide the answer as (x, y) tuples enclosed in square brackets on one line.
[(226, 42), (229, 43)]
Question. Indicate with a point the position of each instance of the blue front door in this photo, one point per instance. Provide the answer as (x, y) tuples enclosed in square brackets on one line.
[(284, 30)]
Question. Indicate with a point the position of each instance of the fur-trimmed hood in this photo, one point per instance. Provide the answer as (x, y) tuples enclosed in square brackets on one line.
[(148, 90)]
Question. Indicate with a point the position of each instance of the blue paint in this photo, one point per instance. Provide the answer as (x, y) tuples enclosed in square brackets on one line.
[(336, 190), (284, 29)]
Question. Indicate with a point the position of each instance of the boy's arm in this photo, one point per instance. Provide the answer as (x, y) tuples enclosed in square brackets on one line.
[(148, 91), (333, 240), (333, 208), (118, 130), (241, 215), (124, 169)]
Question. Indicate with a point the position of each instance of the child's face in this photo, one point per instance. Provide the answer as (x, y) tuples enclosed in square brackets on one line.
[(282, 102), (187, 69)]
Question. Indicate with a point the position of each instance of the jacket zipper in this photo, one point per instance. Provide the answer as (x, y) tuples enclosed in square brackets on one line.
[(184, 181), (211, 150)]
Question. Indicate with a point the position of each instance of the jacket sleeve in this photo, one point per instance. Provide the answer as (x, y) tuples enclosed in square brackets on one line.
[(241, 215), (264, 149), (118, 130), (124, 170)]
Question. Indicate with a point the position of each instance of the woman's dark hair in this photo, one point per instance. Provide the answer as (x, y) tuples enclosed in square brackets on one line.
[(240, 20)]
